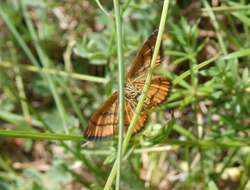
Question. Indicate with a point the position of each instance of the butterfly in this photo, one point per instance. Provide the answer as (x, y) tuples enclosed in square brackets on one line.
[(104, 121)]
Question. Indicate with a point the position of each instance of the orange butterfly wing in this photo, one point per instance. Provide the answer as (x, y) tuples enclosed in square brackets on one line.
[(141, 63), (158, 91), (104, 121), (129, 112)]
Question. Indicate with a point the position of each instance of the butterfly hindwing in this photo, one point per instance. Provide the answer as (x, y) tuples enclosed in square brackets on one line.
[(129, 112), (103, 122), (158, 91)]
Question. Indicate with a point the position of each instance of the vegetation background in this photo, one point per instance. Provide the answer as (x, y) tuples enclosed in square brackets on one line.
[(58, 63)]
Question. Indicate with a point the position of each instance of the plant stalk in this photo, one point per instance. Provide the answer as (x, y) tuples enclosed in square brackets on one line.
[(121, 70)]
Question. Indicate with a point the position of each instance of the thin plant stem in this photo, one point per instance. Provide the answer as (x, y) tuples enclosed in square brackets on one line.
[(223, 143), (227, 8), (143, 96), (69, 82), (125, 6), (121, 70), (67, 55), (15, 119), (194, 69), (102, 8), (20, 86), (22, 95), (35, 69), (39, 136), (216, 26)]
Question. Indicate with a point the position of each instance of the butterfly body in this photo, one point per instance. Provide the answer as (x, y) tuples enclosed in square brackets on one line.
[(131, 91), (103, 122)]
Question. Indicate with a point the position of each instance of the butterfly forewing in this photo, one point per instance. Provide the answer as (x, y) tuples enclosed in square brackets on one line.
[(104, 121), (141, 63)]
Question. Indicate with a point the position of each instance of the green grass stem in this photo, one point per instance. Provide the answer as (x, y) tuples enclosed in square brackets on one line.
[(20, 85), (35, 69), (102, 8), (216, 26), (222, 143), (39, 136), (178, 79), (226, 8), (121, 71)]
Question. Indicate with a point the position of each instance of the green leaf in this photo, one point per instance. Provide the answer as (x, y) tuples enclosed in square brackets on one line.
[(237, 54)]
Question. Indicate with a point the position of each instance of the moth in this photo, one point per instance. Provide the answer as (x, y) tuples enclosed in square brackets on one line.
[(103, 122)]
